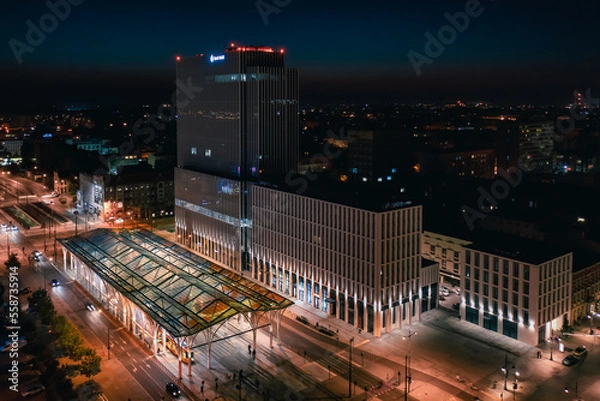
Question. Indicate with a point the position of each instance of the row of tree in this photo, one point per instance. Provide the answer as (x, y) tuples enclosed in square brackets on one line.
[(57, 330)]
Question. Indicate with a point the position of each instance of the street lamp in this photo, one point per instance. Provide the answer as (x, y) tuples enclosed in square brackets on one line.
[(576, 392), (407, 376), (76, 213), (591, 317), (240, 385), (550, 340), (350, 369)]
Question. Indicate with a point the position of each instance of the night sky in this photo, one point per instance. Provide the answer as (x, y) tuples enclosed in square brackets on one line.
[(109, 53)]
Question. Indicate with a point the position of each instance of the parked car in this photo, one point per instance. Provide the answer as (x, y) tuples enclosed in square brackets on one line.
[(25, 291), (570, 360), (36, 253), (173, 389), (33, 389), (90, 306), (580, 352), (55, 282)]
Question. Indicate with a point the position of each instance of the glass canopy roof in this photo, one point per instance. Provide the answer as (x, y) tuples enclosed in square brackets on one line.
[(183, 292)]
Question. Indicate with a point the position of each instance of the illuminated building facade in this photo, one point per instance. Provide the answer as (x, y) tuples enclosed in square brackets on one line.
[(359, 265), (523, 295)]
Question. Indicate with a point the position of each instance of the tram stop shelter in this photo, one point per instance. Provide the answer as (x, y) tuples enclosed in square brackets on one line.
[(157, 288)]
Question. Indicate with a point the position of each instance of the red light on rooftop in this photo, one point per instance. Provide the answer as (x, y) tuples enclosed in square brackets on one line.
[(178, 58), (233, 45), (281, 51)]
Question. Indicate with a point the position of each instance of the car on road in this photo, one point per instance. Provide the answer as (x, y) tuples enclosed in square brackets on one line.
[(33, 389), (8, 345), (55, 282), (4, 227), (172, 389), (36, 253), (580, 351), (25, 291), (570, 360), (90, 306), (14, 228)]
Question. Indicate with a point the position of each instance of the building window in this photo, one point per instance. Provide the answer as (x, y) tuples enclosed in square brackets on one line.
[(495, 278), (194, 150), (486, 277), (525, 302), (468, 257), (207, 152), (477, 258), (495, 264), (486, 261), (467, 271), (525, 317), (432, 249), (505, 266), (504, 296), (515, 299), (476, 274), (515, 269), (485, 290), (526, 272), (495, 292), (526, 288)]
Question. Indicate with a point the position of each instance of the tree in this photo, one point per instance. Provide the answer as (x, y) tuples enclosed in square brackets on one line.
[(42, 304), (90, 363), (12, 261), (69, 338)]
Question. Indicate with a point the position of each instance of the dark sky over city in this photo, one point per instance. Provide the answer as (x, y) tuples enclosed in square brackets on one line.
[(107, 52)]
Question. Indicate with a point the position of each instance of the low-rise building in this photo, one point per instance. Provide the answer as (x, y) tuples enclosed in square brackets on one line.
[(448, 252), (586, 291), (520, 289)]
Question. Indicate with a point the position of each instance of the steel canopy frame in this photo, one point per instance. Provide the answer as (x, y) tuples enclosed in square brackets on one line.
[(181, 291)]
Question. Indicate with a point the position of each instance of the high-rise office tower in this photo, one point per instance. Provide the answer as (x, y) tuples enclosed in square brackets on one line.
[(243, 123), (238, 126)]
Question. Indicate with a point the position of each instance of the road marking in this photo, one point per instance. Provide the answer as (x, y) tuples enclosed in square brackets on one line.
[(148, 366), (128, 354), (133, 359), (134, 369)]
